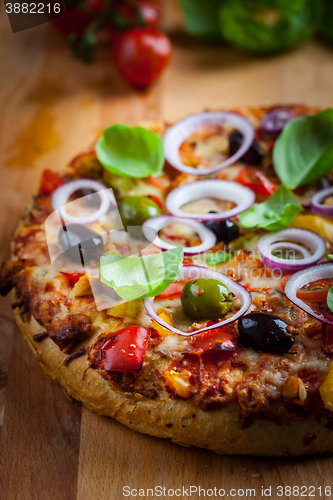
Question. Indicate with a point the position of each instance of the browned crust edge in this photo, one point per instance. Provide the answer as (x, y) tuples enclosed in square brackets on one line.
[(181, 421)]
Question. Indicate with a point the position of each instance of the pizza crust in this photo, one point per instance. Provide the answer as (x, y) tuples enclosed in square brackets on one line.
[(180, 420)]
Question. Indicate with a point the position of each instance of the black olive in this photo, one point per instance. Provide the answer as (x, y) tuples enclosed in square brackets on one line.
[(81, 244), (253, 155), (225, 230), (265, 332)]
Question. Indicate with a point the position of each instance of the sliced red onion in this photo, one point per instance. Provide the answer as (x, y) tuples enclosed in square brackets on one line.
[(302, 278), (274, 121), (269, 242), (153, 225), (61, 196), (223, 190), (190, 272), (317, 201), (178, 133)]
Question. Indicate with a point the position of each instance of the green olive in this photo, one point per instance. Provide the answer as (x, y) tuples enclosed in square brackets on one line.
[(206, 298), (135, 210)]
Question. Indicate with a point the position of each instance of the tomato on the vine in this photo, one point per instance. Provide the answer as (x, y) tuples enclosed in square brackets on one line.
[(149, 11), (141, 55), (74, 21)]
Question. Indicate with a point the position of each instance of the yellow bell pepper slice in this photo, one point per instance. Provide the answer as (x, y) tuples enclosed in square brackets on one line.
[(320, 225)]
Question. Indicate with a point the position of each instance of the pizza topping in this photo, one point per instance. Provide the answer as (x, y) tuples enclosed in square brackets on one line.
[(291, 249), (206, 298), (322, 203), (136, 277), (190, 272), (298, 287), (178, 133), (152, 226), (304, 151), (101, 194), (265, 332), (126, 350), (81, 244), (50, 182), (225, 230), (242, 196), (275, 120), (135, 210), (256, 180), (130, 152), (276, 213), (253, 156)]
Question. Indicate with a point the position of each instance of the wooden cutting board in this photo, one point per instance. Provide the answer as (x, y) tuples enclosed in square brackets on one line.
[(52, 106)]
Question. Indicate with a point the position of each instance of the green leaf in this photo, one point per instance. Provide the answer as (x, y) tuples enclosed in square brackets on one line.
[(267, 26), (130, 152), (304, 151), (330, 256), (218, 258), (273, 214), (202, 18), (330, 299), (137, 277)]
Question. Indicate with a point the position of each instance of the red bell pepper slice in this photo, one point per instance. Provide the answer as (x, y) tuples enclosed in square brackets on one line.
[(50, 182), (172, 290), (126, 350), (72, 278)]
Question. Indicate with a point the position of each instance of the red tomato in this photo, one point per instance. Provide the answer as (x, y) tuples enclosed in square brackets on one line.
[(256, 180), (220, 339), (126, 350), (172, 290), (141, 55), (284, 280), (318, 291), (73, 21), (50, 182), (149, 10), (72, 277)]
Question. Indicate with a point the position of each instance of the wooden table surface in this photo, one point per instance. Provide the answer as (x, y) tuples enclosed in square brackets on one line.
[(52, 106)]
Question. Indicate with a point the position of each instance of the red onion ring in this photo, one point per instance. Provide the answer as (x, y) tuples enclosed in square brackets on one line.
[(224, 190), (275, 120), (317, 206), (267, 243), (61, 196), (151, 227), (178, 133), (298, 280), (190, 272)]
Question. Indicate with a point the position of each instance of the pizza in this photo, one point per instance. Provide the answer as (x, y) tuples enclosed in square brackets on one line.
[(178, 278)]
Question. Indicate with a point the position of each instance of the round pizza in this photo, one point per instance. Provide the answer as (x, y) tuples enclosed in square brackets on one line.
[(179, 278)]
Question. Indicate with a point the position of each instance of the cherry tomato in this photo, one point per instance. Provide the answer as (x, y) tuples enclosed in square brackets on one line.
[(256, 180), (50, 182), (284, 280), (74, 21), (317, 293), (220, 339), (172, 290), (141, 55), (149, 10), (126, 350)]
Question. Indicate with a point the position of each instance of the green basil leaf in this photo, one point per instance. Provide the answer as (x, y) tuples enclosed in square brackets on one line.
[(202, 18), (276, 213), (330, 256), (137, 277), (130, 152), (304, 151), (330, 299), (218, 258), (267, 26)]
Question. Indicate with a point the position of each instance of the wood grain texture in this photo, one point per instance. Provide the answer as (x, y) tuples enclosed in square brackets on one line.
[(52, 106)]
